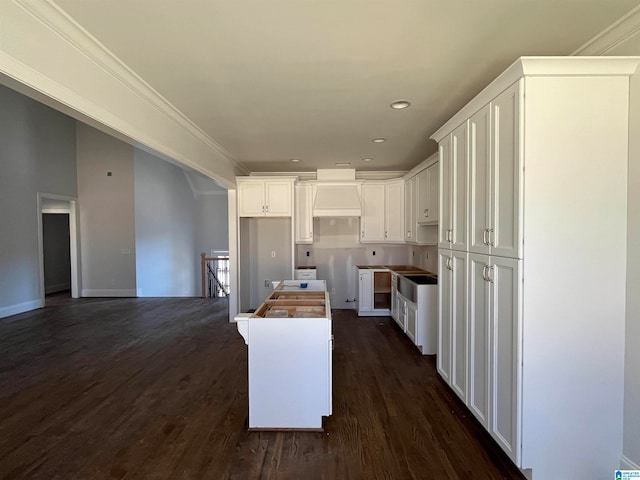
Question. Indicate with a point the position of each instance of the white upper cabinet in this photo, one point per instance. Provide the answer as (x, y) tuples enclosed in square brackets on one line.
[(454, 161), (505, 236), (480, 180), (372, 219), (496, 174), (382, 212), (265, 197), (421, 206), (393, 211), (409, 210), (427, 186), (304, 213), (251, 201), (446, 187)]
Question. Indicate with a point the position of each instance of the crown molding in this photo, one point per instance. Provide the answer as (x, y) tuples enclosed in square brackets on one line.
[(360, 175), (540, 67), (63, 25), (612, 36)]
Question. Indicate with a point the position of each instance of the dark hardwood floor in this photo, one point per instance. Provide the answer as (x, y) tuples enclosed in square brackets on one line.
[(157, 389)]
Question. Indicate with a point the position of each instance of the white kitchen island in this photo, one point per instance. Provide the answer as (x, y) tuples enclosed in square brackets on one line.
[(290, 357)]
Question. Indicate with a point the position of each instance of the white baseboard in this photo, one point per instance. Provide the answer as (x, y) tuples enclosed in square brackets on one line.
[(60, 287), (627, 464), (20, 308), (126, 292)]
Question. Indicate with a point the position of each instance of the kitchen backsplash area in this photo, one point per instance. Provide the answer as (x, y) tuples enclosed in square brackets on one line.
[(337, 250), (424, 256)]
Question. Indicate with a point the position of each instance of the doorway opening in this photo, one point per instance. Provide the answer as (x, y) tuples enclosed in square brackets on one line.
[(56, 256), (58, 243)]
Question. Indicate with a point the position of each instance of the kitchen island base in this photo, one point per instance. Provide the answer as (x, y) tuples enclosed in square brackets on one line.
[(290, 358)]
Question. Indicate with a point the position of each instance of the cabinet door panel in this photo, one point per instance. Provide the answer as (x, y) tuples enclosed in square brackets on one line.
[(372, 220), (445, 189), (479, 336), (279, 198), (507, 176), (409, 210), (411, 321), (394, 212), (251, 199), (480, 177), (459, 187), (365, 291), (505, 354), (434, 180), (394, 296), (444, 315), (423, 213), (459, 333), (304, 218)]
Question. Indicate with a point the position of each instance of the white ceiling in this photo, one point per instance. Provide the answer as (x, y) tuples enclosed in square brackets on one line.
[(313, 79)]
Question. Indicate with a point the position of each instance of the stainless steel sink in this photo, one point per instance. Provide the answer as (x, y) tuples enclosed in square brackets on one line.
[(422, 279), (408, 284)]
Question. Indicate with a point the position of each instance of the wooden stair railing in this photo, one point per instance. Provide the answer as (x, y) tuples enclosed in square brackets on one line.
[(208, 267)]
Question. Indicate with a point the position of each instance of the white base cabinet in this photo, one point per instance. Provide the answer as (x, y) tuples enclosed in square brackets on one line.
[(495, 315), (547, 209), (289, 358), (419, 319), (453, 331), (374, 292)]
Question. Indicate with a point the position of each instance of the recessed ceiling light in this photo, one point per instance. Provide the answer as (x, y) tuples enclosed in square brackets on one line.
[(295, 160), (379, 140), (343, 164), (400, 104), (367, 159)]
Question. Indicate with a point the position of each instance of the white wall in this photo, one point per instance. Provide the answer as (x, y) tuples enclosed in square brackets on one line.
[(167, 260), (37, 154), (107, 224), (631, 446), (56, 252), (424, 257)]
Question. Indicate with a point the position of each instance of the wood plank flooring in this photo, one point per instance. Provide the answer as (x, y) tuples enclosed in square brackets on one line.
[(157, 389)]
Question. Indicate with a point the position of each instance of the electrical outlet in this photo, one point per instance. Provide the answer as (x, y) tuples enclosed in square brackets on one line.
[(267, 283), (307, 253), (374, 252), (333, 291), (273, 253)]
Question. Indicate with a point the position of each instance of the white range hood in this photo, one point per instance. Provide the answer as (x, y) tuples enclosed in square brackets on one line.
[(337, 201), (337, 194)]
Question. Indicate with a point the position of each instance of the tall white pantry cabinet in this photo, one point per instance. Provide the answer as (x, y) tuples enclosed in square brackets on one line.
[(532, 257)]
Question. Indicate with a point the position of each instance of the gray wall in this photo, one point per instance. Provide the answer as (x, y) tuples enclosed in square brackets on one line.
[(336, 252), (37, 154), (56, 256), (260, 237), (212, 222), (167, 259), (106, 204)]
